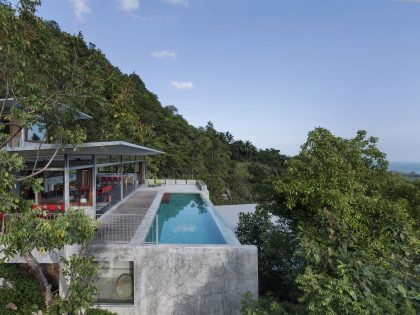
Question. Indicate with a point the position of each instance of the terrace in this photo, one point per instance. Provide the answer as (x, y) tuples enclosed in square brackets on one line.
[(95, 177), (130, 220)]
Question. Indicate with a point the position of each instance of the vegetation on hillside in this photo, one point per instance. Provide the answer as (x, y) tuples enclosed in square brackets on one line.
[(123, 109), (19, 293), (41, 70), (339, 235), (336, 233)]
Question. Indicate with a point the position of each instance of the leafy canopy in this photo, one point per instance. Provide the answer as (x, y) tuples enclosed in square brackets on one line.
[(358, 244)]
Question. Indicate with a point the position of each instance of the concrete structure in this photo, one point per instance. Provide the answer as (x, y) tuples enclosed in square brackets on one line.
[(185, 280), (170, 279), (108, 180), (181, 279)]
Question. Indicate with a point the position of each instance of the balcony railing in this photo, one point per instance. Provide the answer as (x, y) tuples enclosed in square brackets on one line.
[(119, 228)]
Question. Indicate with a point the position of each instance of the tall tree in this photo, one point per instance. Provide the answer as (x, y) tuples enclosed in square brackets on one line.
[(359, 245), (40, 69)]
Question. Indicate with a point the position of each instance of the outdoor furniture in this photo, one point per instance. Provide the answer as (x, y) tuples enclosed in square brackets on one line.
[(49, 207), (104, 191)]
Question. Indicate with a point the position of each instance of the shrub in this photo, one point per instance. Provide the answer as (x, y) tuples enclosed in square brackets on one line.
[(98, 311), (25, 293)]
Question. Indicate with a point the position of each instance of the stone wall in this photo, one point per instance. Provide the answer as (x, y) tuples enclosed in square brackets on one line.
[(186, 280)]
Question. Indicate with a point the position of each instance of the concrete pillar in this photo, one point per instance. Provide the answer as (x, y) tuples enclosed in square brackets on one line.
[(122, 178), (93, 185), (66, 182)]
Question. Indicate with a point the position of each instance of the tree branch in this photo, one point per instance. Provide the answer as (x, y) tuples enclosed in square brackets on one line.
[(5, 142), (40, 277), (21, 179)]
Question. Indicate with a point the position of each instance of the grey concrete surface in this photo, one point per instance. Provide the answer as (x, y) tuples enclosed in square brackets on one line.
[(183, 280)]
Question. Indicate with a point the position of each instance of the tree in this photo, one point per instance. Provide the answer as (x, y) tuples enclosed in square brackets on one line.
[(41, 71), (279, 262), (358, 244)]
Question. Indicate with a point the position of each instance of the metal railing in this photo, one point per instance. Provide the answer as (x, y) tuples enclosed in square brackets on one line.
[(120, 228)]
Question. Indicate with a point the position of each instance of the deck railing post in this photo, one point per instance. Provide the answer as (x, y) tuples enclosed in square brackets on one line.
[(157, 229)]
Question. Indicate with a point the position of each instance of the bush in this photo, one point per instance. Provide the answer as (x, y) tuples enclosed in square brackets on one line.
[(98, 311), (25, 293), (268, 305)]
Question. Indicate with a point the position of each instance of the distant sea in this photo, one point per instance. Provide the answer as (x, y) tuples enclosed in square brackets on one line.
[(405, 167)]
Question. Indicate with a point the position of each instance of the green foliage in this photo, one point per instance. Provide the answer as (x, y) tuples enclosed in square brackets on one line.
[(353, 230), (25, 293), (79, 271), (268, 305), (278, 261), (98, 311), (358, 244), (31, 230)]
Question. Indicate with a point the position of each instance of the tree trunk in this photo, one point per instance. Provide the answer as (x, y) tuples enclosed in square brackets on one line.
[(40, 277)]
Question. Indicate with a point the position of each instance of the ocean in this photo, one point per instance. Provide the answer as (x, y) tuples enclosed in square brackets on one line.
[(405, 167)]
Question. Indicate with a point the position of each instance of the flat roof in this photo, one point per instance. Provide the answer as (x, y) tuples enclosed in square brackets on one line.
[(90, 148)]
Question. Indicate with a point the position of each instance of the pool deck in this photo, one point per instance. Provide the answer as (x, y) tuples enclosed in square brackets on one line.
[(129, 221)]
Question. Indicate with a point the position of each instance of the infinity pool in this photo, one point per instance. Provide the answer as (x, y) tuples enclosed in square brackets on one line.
[(185, 219)]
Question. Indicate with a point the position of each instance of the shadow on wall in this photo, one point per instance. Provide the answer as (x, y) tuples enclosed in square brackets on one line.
[(220, 294)]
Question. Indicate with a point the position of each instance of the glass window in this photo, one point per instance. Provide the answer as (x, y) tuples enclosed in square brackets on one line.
[(129, 179), (81, 187), (116, 158), (115, 282), (53, 184), (79, 160), (108, 187), (35, 133), (103, 159)]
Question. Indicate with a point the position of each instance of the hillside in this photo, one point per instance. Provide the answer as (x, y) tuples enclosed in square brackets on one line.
[(234, 170)]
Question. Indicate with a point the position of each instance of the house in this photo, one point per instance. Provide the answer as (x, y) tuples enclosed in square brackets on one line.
[(171, 257)]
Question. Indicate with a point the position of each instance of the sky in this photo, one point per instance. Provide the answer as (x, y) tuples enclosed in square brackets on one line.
[(268, 71)]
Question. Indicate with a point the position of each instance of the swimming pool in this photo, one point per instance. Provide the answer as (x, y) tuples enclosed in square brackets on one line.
[(185, 219)]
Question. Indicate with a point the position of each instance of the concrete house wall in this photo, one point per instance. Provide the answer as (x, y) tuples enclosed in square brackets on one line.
[(186, 280)]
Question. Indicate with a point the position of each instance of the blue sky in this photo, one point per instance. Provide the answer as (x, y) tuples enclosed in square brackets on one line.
[(269, 70)]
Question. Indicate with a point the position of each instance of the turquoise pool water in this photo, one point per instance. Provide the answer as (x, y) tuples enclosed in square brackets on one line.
[(186, 219)]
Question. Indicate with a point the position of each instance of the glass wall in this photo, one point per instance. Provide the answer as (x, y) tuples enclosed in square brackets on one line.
[(80, 190), (53, 184), (115, 282), (108, 187), (130, 178), (79, 160), (35, 133)]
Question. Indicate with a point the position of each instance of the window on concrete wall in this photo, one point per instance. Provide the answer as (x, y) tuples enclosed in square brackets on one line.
[(115, 282)]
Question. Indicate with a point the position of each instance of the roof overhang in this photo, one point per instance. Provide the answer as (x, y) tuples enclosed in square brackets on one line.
[(90, 148)]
